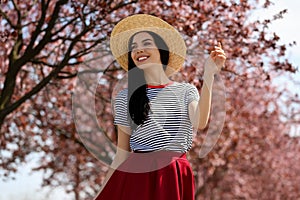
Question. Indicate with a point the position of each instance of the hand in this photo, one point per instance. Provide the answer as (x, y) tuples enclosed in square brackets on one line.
[(216, 60), (213, 65)]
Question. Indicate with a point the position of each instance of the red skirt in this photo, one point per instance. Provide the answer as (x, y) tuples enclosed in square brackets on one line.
[(161, 175)]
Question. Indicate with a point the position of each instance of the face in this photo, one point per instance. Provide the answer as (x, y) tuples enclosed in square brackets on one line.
[(144, 50)]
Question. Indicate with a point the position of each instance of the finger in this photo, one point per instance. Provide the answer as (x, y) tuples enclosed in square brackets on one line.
[(215, 56), (220, 45), (218, 48), (221, 57), (220, 51), (218, 57), (213, 53)]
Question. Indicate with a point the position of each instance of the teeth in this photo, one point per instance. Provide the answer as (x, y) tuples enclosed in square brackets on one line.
[(142, 58)]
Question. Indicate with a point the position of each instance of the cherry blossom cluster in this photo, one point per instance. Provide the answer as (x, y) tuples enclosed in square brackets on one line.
[(3, 34)]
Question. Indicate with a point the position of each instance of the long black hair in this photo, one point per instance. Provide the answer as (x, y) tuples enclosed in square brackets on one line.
[(138, 101)]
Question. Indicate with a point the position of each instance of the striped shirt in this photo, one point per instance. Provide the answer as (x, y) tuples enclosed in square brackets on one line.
[(168, 126)]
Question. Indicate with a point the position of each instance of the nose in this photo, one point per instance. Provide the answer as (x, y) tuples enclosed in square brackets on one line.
[(138, 50)]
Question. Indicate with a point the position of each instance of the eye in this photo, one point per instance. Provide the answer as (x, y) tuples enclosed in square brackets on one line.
[(147, 43), (132, 47)]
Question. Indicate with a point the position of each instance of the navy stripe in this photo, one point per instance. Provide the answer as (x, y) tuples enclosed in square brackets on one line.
[(168, 126)]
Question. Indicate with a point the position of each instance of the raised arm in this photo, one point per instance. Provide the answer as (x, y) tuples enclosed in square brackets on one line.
[(199, 111)]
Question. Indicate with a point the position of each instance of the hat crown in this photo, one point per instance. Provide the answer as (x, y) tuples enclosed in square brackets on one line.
[(139, 21)]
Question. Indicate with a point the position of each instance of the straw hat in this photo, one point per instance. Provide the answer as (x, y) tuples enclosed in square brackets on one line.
[(143, 22)]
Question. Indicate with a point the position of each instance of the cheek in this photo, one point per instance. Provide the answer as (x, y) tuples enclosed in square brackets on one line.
[(132, 55), (157, 55)]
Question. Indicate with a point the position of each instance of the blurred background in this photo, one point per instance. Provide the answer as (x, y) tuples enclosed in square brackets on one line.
[(55, 59)]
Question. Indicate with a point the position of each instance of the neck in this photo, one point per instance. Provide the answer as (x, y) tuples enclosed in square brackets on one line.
[(156, 76)]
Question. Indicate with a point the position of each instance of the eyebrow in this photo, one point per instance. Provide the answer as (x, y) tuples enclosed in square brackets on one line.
[(142, 41)]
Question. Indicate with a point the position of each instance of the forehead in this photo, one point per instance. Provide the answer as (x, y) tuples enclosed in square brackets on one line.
[(141, 36)]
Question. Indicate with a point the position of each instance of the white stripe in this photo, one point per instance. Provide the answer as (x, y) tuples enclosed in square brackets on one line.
[(168, 126)]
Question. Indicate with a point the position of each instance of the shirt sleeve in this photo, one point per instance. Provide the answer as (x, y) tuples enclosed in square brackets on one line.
[(121, 116), (192, 93)]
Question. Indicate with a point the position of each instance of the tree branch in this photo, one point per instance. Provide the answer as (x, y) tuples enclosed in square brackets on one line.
[(31, 52), (15, 63), (19, 42), (10, 79), (122, 4), (7, 19), (39, 62), (4, 111), (86, 72), (39, 25), (64, 26), (87, 50), (18, 11)]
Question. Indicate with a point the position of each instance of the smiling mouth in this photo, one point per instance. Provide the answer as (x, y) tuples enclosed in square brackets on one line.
[(142, 58)]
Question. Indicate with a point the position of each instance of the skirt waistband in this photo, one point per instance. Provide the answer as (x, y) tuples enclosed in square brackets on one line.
[(161, 153)]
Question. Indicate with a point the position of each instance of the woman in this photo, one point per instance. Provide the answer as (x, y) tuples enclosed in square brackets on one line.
[(155, 115)]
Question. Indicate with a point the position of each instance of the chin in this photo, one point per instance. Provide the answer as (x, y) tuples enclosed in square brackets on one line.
[(145, 65)]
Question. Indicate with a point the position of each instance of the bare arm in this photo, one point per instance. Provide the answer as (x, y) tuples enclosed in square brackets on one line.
[(123, 151), (199, 111)]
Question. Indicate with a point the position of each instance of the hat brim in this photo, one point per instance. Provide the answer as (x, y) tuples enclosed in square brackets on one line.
[(127, 27)]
